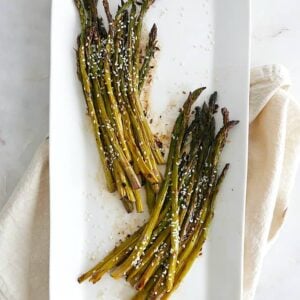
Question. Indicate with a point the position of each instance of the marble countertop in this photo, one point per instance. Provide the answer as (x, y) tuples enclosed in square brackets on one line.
[(24, 89)]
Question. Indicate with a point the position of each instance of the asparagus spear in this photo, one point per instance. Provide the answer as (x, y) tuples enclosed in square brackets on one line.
[(207, 212), (125, 247), (146, 168), (149, 55), (145, 257), (150, 196), (155, 261), (112, 83), (108, 71), (113, 138), (185, 263), (184, 115), (110, 258), (146, 235), (92, 113)]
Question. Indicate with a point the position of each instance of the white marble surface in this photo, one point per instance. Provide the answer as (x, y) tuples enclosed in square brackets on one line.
[(24, 75), (276, 39), (24, 78)]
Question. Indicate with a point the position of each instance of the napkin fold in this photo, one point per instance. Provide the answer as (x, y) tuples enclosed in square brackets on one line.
[(273, 155), (24, 234), (274, 144)]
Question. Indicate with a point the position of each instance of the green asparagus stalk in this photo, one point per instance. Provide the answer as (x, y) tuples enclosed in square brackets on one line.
[(155, 258), (92, 113), (150, 196), (105, 60), (153, 246), (149, 55), (111, 257), (125, 247), (187, 260), (184, 115), (147, 232)]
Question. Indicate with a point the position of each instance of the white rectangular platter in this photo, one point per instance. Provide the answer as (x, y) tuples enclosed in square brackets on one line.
[(202, 43)]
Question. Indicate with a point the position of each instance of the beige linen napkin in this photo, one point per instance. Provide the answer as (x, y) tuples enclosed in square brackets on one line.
[(274, 146), (24, 234), (273, 152)]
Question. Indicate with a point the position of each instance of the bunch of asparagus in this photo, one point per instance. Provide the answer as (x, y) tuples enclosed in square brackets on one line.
[(112, 67), (156, 258)]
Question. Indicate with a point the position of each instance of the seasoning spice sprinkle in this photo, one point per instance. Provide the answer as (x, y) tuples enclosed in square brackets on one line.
[(155, 259), (113, 72)]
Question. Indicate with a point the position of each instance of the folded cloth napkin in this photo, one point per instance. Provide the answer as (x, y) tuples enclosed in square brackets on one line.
[(274, 143), (24, 234), (274, 146)]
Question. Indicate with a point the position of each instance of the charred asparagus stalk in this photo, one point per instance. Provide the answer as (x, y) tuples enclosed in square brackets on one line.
[(157, 257), (110, 69)]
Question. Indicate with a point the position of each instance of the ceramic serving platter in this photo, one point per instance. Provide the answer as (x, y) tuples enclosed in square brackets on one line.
[(202, 43)]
